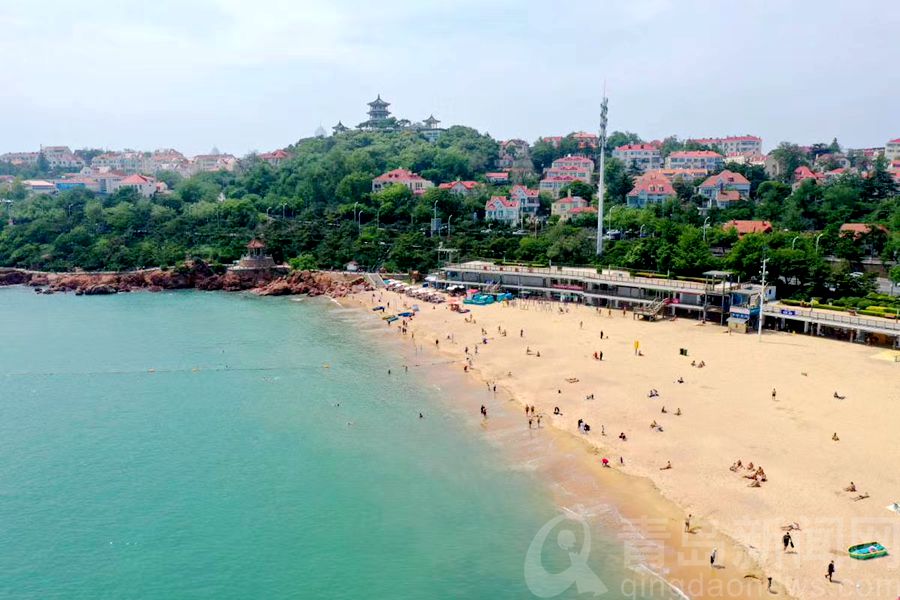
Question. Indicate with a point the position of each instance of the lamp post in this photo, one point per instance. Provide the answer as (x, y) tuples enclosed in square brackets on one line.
[(762, 299), (601, 184), (450, 218), (355, 204), (705, 225), (641, 232), (283, 206), (794, 241), (378, 218), (434, 220), (817, 241), (267, 211)]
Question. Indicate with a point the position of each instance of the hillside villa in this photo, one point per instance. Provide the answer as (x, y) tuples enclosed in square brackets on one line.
[(724, 188), (652, 187), (501, 208), (416, 184)]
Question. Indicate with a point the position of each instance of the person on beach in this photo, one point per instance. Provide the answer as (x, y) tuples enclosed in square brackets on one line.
[(389, 371), (483, 411), (466, 368), (835, 438), (687, 523), (601, 334), (787, 540), (850, 488), (421, 416), (774, 393), (521, 333), (539, 421), (667, 467), (678, 412), (663, 410), (530, 422), (580, 421), (680, 380), (603, 430), (601, 355), (623, 437), (622, 461), (830, 572), (712, 557)]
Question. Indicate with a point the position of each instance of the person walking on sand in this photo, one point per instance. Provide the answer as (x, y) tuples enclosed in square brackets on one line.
[(712, 557), (687, 523), (787, 541), (774, 393), (830, 572)]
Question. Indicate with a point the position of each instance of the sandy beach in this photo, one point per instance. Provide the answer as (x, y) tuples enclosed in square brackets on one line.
[(728, 413)]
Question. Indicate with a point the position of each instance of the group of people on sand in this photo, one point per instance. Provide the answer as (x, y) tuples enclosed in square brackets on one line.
[(583, 427), (852, 489), (677, 411), (757, 474), (699, 365), (533, 417)]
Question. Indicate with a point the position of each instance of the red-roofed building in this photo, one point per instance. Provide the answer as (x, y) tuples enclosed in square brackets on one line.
[(553, 185), (553, 140), (529, 200), (695, 159), (683, 174), (501, 208), (650, 188), (645, 157), (735, 144), (274, 158), (745, 227), (498, 178), (586, 140), (714, 189), (892, 150), (416, 184), (143, 185), (857, 230), (461, 188), (566, 207), (804, 173), (583, 210)]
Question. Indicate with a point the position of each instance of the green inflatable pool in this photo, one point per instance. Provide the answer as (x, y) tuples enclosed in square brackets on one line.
[(867, 551)]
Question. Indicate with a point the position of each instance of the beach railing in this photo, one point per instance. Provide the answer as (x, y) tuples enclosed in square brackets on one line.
[(825, 317)]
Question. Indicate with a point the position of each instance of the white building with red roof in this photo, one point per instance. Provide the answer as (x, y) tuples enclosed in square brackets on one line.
[(529, 200), (804, 173), (645, 157), (564, 208), (416, 184), (682, 174), (143, 185), (461, 188), (695, 159), (735, 144), (274, 158), (553, 185), (892, 150), (497, 178), (586, 140), (652, 187), (503, 209), (722, 189)]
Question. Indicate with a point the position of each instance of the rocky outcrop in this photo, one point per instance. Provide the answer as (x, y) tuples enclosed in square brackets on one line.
[(196, 275)]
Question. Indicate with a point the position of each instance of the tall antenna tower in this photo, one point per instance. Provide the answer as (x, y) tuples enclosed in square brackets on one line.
[(601, 184)]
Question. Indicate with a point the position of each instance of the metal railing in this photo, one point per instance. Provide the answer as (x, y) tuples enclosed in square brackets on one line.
[(828, 317), (586, 275)]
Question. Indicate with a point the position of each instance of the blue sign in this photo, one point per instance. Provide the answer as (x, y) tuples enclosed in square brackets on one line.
[(790, 313)]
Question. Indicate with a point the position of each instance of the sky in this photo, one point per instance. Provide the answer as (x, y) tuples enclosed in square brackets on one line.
[(243, 75)]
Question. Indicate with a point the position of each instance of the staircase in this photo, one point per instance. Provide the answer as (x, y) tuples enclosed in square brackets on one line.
[(375, 279), (651, 311)]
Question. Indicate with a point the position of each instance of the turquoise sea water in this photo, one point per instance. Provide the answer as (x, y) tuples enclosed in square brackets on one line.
[(190, 445)]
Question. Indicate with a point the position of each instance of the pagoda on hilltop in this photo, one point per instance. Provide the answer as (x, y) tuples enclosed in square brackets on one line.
[(379, 116), (339, 128), (430, 129)]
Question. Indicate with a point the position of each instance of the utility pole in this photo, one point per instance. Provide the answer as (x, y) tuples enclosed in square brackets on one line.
[(762, 299), (601, 184)]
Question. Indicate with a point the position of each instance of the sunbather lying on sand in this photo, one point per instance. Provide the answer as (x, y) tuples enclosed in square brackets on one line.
[(861, 497)]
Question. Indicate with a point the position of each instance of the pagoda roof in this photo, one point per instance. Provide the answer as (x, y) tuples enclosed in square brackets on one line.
[(255, 244), (379, 102)]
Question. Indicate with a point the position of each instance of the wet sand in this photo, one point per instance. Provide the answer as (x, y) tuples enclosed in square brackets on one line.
[(651, 526)]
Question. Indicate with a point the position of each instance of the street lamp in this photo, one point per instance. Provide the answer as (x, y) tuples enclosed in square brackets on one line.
[(267, 212), (283, 205), (794, 241), (378, 218), (705, 224), (450, 218), (641, 232), (817, 241), (355, 204)]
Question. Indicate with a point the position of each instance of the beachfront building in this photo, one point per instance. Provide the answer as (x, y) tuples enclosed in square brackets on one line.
[(504, 210), (650, 188), (644, 157), (460, 188), (735, 144), (695, 159), (709, 298), (567, 207), (892, 150), (416, 184), (529, 200), (725, 188)]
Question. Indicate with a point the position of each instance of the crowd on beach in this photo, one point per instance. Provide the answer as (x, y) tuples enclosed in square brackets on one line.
[(534, 416)]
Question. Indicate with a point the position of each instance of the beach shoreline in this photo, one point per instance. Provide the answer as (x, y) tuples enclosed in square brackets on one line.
[(673, 493)]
